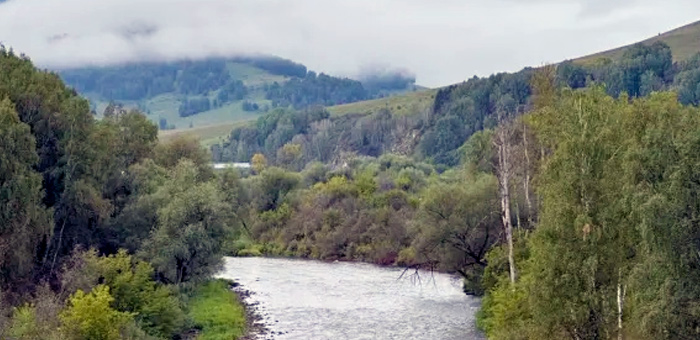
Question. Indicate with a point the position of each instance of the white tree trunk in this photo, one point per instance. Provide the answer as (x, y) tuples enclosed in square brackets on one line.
[(620, 306), (526, 181), (504, 174)]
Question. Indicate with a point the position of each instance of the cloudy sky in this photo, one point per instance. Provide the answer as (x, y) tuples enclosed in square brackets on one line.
[(441, 41)]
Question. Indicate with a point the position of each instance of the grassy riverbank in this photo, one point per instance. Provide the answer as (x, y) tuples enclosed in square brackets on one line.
[(217, 312)]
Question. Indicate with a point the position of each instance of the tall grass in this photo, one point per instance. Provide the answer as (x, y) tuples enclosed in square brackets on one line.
[(215, 309)]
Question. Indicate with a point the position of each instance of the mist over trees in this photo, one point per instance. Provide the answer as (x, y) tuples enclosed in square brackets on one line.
[(378, 79), (137, 81)]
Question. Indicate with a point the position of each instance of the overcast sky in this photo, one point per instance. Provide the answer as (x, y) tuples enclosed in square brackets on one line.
[(441, 41)]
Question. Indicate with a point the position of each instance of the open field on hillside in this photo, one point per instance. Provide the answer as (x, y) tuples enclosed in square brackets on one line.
[(208, 135), (409, 103), (684, 42)]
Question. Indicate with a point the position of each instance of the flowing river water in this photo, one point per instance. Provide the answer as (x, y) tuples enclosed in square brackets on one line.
[(300, 299)]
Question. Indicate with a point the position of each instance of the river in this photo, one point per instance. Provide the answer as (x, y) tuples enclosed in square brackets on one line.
[(300, 299)]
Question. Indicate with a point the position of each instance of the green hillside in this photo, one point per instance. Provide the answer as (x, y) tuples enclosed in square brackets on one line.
[(683, 41), (214, 126), (407, 103), (166, 105), (433, 125), (187, 94)]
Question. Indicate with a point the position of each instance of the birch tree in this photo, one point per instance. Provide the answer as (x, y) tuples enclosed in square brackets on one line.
[(504, 173)]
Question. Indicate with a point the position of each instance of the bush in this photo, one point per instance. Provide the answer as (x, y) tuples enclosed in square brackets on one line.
[(155, 306), (90, 316), (25, 325)]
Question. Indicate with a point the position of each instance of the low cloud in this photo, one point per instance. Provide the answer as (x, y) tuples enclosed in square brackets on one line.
[(443, 41)]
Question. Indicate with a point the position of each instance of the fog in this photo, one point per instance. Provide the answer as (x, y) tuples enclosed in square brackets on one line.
[(440, 42)]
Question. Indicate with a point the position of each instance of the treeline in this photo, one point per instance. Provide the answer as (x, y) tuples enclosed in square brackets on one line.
[(315, 89), (138, 81), (322, 89), (103, 233), (133, 82), (460, 110), (275, 65)]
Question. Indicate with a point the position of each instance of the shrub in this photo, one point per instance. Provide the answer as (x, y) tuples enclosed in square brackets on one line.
[(90, 316)]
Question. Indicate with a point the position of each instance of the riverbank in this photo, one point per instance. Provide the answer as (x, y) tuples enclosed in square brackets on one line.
[(256, 328), (217, 312)]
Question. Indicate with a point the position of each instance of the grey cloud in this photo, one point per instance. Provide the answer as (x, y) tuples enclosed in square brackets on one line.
[(442, 41)]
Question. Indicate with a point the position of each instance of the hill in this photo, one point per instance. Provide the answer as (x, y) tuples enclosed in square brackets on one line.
[(683, 41), (185, 93), (434, 125), (194, 93)]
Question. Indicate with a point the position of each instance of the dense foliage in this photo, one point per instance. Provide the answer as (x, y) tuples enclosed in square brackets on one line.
[(616, 246), (102, 230)]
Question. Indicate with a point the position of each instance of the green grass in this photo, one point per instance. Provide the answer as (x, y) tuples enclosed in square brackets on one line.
[(252, 76), (684, 42), (409, 103), (208, 135), (167, 105), (215, 309)]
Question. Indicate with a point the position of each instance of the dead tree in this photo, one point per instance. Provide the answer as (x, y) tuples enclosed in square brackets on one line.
[(504, 173)]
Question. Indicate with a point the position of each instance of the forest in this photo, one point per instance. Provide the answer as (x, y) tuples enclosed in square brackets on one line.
[(565, 196)]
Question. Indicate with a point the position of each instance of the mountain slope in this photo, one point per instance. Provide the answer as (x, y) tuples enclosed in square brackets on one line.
[(434, 125), (191, 93), (683, 41)]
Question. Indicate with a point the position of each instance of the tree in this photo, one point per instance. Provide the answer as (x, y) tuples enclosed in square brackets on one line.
[(289, 156), (192, 226), (459, 224), (170, 153), (504, 173), (583, 246), (24, 222), (273, 185), (136, 139), (259, 162)]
